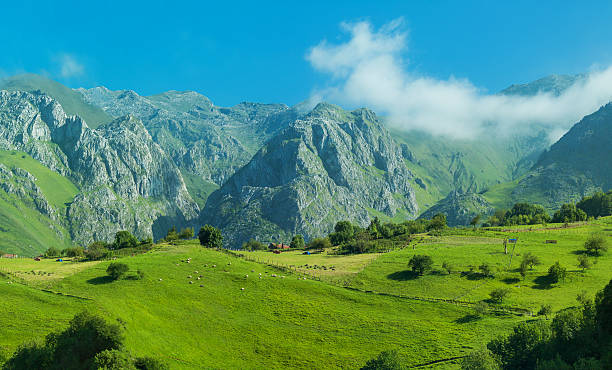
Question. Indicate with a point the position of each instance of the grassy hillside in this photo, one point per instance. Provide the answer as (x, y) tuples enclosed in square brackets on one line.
[(72, 101), (24, 230)]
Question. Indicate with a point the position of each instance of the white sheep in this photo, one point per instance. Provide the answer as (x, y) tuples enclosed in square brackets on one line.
[(241, 288), (246, 276)]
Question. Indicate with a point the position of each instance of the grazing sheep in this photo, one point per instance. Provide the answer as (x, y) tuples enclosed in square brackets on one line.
[(260, 274), (246, 276), (273, 275), (214, 265), (201, 286), (195, 272), (198, 278), (241, 288), (260, 277), (252, 270), (189, 277), (191, 282), (160, 279)]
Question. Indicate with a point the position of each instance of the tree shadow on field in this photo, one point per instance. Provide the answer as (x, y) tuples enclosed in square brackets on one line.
[(100, 280), (403, 275), (543, 282), (581, 251), (511, 280), (467, 319)]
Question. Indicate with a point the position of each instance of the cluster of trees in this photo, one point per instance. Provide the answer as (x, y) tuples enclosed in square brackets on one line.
[(210, 237), (597, 205), (124, 240), (569, 213), (53, 252), (88, 343), (520, 214), (172, 235), (577, 338)]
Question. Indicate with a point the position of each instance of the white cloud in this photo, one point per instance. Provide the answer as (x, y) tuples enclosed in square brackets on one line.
[(369, 70), (69, 66)]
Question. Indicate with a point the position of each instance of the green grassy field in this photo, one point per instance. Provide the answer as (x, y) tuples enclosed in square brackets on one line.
[(290, 322), (24, 230)]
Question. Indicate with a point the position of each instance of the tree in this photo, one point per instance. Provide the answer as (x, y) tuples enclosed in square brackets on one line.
[(116, 270), (420, 264), (186, 233), (52, 252), (319, 244), (386, 360), (481, 308), (253, 245), (569, 213), (557, 272), (448, 267), (297, 242), (210, 237), (480, 360), (584, 262), (530, 260), (74, 252), (96, 251), (438, 222), (124, 239), (374, 228), (545, 310), (171, 235), (149, 363), (596, 244), (113, 359), (498, 295), (475, 221), (603, 306), (486, 269)]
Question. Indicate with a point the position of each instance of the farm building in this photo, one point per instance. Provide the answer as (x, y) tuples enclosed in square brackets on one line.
[(8, 255), (278, 246)]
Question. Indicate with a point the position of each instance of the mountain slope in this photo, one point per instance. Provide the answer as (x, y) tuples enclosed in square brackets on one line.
[(125, 180), (331, 165), (72, 102), (577, 165)]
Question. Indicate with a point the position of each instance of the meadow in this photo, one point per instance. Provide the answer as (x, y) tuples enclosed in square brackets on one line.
[(288, 321)]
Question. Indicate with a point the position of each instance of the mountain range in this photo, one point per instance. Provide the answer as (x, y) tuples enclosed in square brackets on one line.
[(265, 171)]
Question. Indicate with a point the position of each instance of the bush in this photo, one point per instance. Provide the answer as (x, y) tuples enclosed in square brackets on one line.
[(96, 251), (253, 245), (171, 235), (116, 270), (74, 252), (124, 239), (149, 363), (584, 262), (486, 269), (481, 308), (557, 273), (186, 233), (113, 359), (52, 253), (386, 360), (530, 260), (480, 360), (545, 310), (319, 244), (498, 295), (420, 264), (297, 242), (448, 267), (437, 222), (210, 237), (596, 244)]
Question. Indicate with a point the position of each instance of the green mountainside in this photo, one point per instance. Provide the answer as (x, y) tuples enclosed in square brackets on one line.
[(331, 165), (72, 102)]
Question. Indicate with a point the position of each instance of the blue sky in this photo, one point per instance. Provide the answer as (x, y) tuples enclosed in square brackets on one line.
[(257, 50)]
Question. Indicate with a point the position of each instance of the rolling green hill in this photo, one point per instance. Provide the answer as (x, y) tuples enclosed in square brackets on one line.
[(72, 101)]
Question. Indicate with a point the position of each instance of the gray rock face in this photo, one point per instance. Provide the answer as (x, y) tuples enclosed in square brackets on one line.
[(331, 165), (126, 180), (460, 208), (205, 140)]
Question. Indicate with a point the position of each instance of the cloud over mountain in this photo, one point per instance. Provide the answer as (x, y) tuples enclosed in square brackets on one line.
[(371, 69)]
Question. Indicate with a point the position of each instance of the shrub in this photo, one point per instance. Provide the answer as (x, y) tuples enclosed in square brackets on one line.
[(210, 237), (437, 223), (486, 269), (124, 239), (113, 359), (386, 360), (481, 308), (74, 252), (448, 267), (584, 262), (545, 310), (171, 235), (530, 260), (116, 270), (186, 233), (253, 245), (319, 244), (557, 272), (480, 360), (149, 363), (596, 244), (498, 295), (52, 252), (297, 242), (420, 264), (96, 251)]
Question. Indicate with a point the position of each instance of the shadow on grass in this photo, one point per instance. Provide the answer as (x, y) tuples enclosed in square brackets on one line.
[(403, 275), (511, 280), (543, 282), (472, 275), (580, 252), (100, 280), (467, 319)]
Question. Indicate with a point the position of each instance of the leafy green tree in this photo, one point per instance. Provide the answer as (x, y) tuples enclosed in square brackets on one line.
[(437, 222), (522, 348), (149, 363), (531, 260), (596, 244), (480, 360), (97, 251), (113, 359), (569, 213), (186, 233), (481, 308), (74, 252), (319, 244), (486, 269), (584, 262), (386, 360), (420, 264), (567, 324), (171, 235), (545, 310), (557, 272), (603, 307), (448, 267), (297, 242), (253, 245), (52, 252), (475, 221), (124, 239), (116, 270), (31, 355), (498, 295), (374, 228), (210, 237), (597, 205)]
